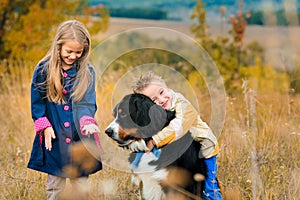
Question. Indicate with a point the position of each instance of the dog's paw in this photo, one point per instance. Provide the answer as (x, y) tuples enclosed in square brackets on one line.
[(139, 145)]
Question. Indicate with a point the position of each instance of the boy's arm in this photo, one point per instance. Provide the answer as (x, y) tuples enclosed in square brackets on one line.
[(186, 115)]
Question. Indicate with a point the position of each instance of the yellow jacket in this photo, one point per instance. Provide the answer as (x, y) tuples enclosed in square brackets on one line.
[(187, 119)]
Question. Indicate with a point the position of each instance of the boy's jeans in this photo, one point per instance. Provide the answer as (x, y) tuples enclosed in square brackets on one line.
[(212, 190)]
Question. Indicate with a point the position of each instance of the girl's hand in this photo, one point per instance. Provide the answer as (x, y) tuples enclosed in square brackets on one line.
[(90, 129), (49, 135)]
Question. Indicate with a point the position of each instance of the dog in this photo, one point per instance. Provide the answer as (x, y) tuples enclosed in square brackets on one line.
[(174, 168)]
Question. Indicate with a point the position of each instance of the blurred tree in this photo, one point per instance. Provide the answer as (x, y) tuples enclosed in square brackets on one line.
[(223, 51), (26, 27), (136, 12), (200, 30), (239, 25)]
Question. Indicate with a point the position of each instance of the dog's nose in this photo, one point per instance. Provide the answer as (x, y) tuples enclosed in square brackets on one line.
[(109, 131)]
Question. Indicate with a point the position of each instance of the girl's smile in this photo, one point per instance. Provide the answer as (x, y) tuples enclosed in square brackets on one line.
[(70, 52)]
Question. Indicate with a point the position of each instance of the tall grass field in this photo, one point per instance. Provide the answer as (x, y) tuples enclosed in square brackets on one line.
[(259, 158)]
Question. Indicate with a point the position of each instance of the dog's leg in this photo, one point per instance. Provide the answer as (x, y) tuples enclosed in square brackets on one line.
[(135, 180), (152, 189)]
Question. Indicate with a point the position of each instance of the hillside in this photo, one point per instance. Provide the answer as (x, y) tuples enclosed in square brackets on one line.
[(281, 43)]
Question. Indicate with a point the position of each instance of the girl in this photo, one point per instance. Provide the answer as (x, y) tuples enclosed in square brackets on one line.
[(63, 105), (187, 119)]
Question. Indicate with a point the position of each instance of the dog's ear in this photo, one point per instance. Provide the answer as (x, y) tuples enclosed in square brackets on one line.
[(158, 117), (150, 117), (140, 115)]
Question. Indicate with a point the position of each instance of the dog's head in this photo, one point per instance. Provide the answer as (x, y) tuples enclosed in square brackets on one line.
[(137, 118)]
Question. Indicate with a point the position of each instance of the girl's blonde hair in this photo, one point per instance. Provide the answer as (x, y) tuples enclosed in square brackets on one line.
[(149, 78), (68, 30)]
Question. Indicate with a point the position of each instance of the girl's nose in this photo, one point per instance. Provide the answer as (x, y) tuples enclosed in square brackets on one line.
[(73, 56)]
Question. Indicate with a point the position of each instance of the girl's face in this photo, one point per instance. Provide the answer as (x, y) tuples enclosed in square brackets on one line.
[(159, 94), (70, 52)]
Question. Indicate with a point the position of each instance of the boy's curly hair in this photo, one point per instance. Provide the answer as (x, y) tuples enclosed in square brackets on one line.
[(149, 78)]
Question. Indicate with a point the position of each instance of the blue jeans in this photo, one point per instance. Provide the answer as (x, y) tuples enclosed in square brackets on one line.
[(212, 190)]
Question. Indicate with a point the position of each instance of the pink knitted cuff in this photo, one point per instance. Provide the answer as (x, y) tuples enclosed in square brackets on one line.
[(86, 120), (41, 123)]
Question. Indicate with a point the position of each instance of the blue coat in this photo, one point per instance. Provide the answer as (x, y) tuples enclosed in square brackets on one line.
[(64, 119)]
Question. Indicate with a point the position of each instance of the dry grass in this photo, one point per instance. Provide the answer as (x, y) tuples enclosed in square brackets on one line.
[(275, 144), (273, 150)]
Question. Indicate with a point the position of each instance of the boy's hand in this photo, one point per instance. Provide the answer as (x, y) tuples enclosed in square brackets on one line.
[(150, 145), (49, 135)]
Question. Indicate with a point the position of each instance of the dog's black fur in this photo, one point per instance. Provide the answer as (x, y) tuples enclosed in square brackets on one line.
[(138, 118)]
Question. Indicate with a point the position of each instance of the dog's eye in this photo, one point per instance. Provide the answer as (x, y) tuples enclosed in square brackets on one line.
[(122, 115)]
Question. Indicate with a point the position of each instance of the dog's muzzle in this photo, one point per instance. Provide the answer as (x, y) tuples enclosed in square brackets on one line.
[(109, 131), (112, 130)]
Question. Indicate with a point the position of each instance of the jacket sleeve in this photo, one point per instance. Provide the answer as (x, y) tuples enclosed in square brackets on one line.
[(84, 110), (186, 115), (38, 99)]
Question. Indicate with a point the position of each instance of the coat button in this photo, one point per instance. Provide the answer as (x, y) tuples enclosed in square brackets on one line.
[(66, 108), (65, 74), (68, 140), (67, 124), (65, 91)]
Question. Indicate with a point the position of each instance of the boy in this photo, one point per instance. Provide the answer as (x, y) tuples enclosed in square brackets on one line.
[(187, 119)]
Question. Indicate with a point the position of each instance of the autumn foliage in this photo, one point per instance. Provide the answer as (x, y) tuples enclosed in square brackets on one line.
[(27, 27)]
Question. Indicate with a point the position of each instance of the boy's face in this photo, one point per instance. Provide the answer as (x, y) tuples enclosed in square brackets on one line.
[(159, 94)]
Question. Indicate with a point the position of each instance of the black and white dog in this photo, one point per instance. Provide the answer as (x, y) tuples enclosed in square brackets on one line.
[(137, 118)]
